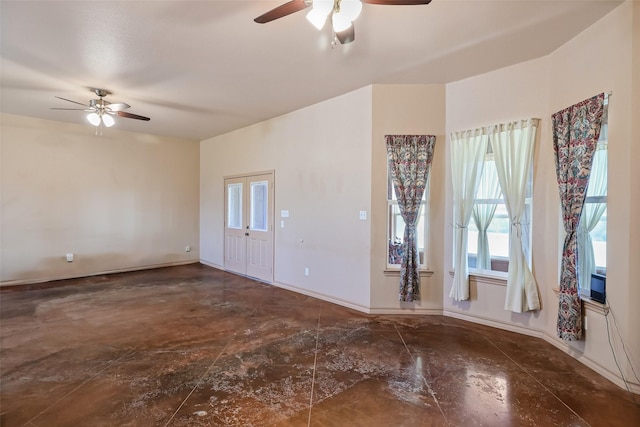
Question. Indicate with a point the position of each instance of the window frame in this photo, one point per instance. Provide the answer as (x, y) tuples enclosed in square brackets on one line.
[(424, 217), (585, 289), (497, 259)]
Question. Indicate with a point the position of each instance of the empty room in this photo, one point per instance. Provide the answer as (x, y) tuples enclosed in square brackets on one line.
[(319, 213)]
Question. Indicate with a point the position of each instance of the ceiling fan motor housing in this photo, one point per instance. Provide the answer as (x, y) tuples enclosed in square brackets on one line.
[(99, 104), (101, 92)]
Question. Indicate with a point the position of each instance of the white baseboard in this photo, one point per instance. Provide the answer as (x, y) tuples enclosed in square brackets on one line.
[(580, 357), (358, 307), (551, 339), (211, 264), (323, 297), (536, 333), (495, 324), (413, 311), (97, 273), (614, 377)]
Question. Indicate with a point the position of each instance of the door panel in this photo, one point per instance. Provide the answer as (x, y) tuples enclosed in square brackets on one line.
[(249, 226), (260, 246), (235, 254), (234, 234)]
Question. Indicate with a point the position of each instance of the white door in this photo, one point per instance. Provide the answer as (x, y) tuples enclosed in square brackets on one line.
[(235, 248), (249, 226)]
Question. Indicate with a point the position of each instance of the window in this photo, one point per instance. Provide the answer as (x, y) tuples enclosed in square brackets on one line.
[(592, 230), (259, 202), (489, 249), (395, 227), (234, 203)]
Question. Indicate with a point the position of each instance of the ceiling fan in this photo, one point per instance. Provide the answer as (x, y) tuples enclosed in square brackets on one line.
[(101, 111), (343, 13)]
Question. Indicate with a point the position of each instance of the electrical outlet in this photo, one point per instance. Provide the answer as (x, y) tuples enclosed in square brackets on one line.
[(69, 257), (187, 248), (306, 271)]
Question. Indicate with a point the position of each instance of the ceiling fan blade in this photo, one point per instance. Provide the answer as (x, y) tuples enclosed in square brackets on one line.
[(347, 36), (132, 116), (65, 99), (397, 2), (74, 109), (288, 8), (118, 106)]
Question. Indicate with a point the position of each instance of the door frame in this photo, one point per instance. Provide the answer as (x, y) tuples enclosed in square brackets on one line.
[(271, 220)]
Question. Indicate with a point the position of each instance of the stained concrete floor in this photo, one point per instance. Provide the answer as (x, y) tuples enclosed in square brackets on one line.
[(194, 346)]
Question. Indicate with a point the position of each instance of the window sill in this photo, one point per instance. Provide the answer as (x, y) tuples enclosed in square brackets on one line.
[(489, 277), (589, 303), (396, 272)]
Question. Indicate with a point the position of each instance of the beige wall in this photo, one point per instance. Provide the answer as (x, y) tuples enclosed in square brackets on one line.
[(321, 156), (574, 76), (125, 201), (117, 201), (330, 163), (298, 146), (634, 198), (406, 110), (598, 60), (513, 93)]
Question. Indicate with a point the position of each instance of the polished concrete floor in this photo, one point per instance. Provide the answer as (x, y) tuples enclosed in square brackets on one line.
[(194, 346)]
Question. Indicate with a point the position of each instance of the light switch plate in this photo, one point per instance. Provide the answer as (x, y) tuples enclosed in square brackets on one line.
[(363, 215)]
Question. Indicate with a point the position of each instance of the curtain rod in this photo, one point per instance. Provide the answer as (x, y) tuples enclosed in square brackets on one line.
[(484, 129)]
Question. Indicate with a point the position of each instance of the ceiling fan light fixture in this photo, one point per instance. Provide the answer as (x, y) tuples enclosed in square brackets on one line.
[(107, 120), (351, 9), (343, 14), (319, 12), (340, 23), (323, 6), (317, 19), (101, 111), (94, 119)]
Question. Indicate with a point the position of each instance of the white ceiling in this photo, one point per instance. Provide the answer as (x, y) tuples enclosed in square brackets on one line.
[(203, 68)]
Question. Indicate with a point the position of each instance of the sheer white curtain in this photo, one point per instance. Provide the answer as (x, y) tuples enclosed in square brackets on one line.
[(592, 212), (467, 159), (483, 212), (513, 152)]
